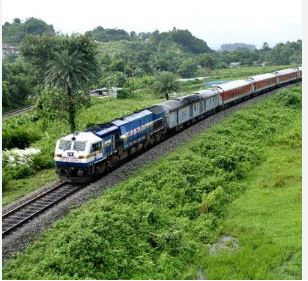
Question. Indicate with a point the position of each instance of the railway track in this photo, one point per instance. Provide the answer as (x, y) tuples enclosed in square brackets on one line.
[(32, 208), (17, 112)]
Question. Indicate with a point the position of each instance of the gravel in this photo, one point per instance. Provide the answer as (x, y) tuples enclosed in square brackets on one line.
[(17, 240)]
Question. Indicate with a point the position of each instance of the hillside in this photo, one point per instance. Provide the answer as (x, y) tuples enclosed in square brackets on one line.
[(13, 33), (236, 46), (163, 222), (183, 39)]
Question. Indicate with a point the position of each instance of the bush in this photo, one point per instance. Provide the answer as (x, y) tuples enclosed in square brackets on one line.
[(6, 178), (292, 99), (42, 161), (124, 94), (18, 172), (18, 137)]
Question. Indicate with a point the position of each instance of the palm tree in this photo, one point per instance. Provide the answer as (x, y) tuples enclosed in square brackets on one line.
[(68, 71), (166, 84)]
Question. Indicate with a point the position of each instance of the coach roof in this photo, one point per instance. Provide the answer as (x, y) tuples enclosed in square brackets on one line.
[(261, 77), (232, 85)]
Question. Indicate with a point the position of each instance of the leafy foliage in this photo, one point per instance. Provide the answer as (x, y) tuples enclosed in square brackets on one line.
[(105, 35), (16, 31), (17, 84), (18, 135), (38, 49), (68, 72), (236, 46), (166, 84), (288, 98), (158, 224)]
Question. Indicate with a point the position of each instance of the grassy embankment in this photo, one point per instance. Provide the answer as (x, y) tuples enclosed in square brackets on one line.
[(43, 136), (161, 222)]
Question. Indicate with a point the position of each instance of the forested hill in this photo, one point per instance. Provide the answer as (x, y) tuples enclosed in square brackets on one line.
[(13, 33), (182, 39), (236, 46)]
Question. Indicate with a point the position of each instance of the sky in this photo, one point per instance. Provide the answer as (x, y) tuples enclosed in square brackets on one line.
[(215, 21)]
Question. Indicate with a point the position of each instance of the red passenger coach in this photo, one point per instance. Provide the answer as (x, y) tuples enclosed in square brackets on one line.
[(286, 75), (263, 81), (234, 90)]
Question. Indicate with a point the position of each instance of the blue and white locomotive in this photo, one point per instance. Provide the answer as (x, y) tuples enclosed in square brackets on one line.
[(82, 156)]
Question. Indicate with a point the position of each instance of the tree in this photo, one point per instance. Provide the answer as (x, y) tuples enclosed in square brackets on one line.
[(207, 61), (68, 72), (188, 68), (265, 46), (165, 84), (38, 49), (17, 84)]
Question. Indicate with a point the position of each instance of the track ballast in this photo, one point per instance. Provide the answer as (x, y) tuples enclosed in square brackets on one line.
[(35, 206)]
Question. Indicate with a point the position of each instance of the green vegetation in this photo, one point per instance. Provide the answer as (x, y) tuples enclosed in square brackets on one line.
[(17, 84), (237, 46), (159, 223), (15, 32), (67, 72), (39, 50), (165, 84), (267, 218), (21, 187)]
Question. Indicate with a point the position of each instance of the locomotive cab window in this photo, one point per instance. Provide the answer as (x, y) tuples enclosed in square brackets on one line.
[(65, 144), (96, 146), (79, 146)]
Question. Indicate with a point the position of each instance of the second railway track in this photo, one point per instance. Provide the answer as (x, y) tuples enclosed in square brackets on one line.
[(17, 112), (35, 206)]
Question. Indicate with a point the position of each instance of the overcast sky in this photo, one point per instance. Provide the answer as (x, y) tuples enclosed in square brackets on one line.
[(215, 21)]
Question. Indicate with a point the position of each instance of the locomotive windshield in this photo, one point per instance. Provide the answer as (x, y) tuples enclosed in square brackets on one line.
[(79, 146), (65, 144)]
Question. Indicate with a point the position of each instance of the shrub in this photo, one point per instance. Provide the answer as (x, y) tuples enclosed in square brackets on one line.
[(18, 163), (18, 172), (19, 137), (289, 98), (6, 178), (124, 94), (42, 161)]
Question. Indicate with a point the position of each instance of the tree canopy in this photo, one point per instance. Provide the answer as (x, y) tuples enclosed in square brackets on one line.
[(166, 84), (38, 49), (68, 72), (15, 32)]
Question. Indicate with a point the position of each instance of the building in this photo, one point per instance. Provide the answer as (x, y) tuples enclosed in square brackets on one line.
[(234, 64), (9, 50), (105, 92)]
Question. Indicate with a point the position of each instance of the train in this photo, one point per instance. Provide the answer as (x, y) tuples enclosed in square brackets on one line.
[(84, 156)]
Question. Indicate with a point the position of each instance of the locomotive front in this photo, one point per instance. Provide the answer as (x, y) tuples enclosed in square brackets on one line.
[(76, 154)]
